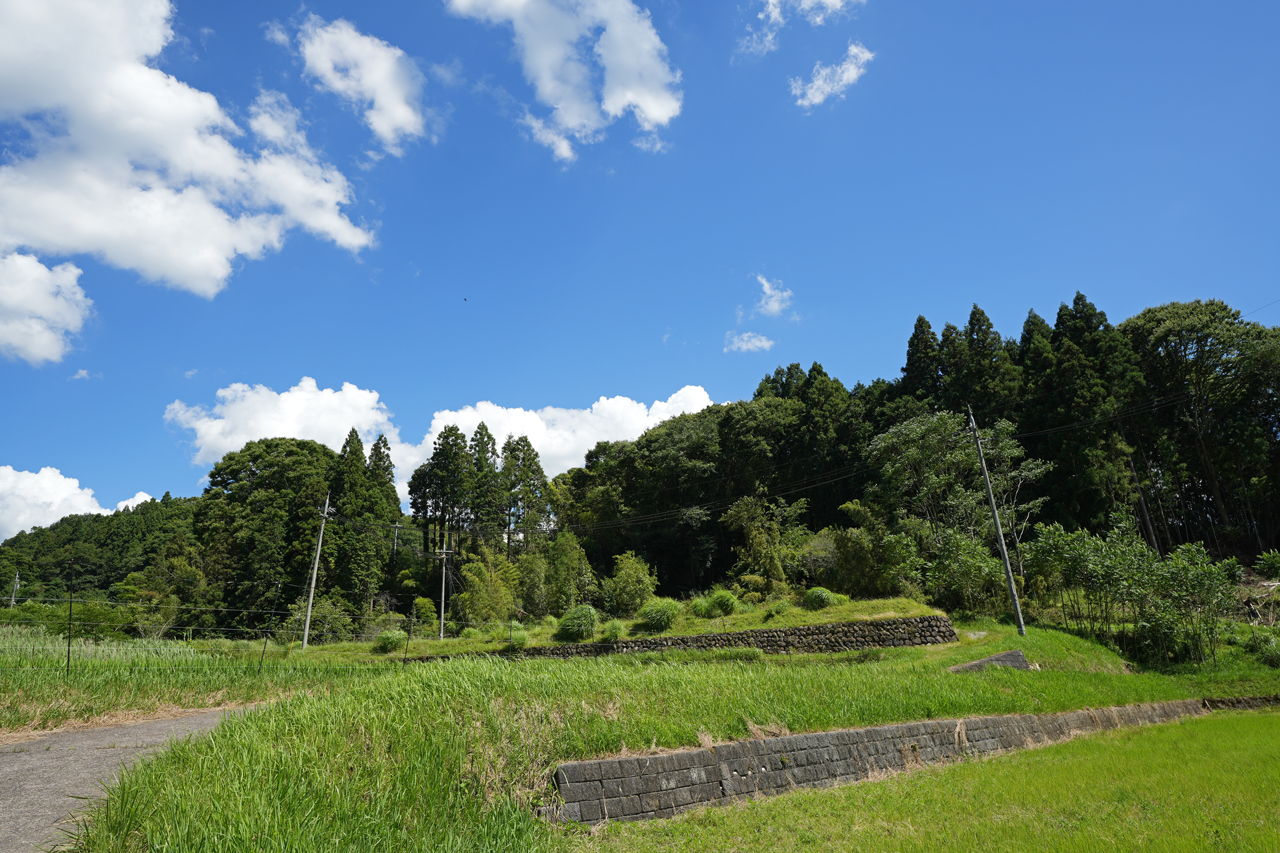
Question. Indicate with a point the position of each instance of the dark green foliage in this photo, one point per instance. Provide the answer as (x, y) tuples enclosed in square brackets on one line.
[(578, 624), (658, 615), (612, 631)]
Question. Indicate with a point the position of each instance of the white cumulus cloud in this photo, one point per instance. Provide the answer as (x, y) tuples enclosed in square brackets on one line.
[(28, 499), (746, 342), (40, 308), (562, 436), (774, 15), (774, 300), (589, 61), (374, 77), (125, 162), (831, 80)]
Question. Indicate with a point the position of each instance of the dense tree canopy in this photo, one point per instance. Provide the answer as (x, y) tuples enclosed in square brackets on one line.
[(1166, 426)]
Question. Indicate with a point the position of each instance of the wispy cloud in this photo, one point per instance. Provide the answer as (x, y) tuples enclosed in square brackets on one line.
[(774, 300), (831, 80), (746, 342)]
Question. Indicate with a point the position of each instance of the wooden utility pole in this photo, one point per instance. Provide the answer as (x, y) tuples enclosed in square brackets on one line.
[(315, 568), (995, 518)]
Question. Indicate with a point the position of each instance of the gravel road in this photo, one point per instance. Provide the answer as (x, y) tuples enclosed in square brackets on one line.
[(45, 781)]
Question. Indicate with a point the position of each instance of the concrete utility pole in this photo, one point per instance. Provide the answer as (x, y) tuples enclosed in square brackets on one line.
[(315, 568), (14, 595), (995, 517), (444, 571)]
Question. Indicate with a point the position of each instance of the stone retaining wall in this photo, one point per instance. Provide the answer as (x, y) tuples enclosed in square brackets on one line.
[(656, 786), (839, 637)]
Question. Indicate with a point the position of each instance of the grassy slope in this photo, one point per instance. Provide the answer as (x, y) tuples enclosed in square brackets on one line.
[(449, 755)]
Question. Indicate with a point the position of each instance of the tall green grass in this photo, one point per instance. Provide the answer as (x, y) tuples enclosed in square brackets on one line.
[(454, 755)]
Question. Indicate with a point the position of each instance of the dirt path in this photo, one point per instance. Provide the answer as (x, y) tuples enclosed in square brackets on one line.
[(46, 780)]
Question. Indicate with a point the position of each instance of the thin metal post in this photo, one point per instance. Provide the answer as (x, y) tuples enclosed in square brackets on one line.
[(444, 571), (70, 592), (995, 517), (274, 601), (407, 639), (315, 568)]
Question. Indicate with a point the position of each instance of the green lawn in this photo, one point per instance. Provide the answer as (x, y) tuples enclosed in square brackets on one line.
[(1210, 783)]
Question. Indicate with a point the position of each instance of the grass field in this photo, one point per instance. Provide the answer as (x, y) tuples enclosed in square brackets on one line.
[(1209, 783), (451, 755)]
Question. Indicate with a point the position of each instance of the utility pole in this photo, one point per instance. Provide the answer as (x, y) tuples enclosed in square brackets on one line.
[(315, 568), (995, 518), (444, 571), (70, 592), (13, 595)]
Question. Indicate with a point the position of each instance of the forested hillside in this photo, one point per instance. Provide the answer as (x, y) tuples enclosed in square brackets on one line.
[(1164, 428)]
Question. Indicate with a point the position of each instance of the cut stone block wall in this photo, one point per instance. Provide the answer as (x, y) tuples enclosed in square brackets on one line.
[(838, 637), (655, 786)]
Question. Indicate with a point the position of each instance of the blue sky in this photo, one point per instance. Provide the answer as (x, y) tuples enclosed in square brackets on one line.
[(233, 220)]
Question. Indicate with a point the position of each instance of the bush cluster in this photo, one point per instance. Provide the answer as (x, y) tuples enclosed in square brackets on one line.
[(819, 598), (658, 615), (389, 641), (578, 624)]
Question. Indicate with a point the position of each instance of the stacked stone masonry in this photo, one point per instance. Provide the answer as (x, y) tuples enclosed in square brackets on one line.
[(657, 786), (839, 637)]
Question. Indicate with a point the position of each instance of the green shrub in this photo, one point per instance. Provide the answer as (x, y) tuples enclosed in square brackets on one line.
[(724, 602), (550, 621), (424, 610), (612, 631), (818, 598), (578, 624), (519, 639), (469, 633), (389, 641), (1268, 565), (779, 607), (658, 615), (702, 607), (630, 587)]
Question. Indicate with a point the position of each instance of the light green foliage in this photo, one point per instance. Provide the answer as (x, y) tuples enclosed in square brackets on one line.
[(630, 587), (818, 598), (486, 590), (724, 603), (1159, 610), (330, 621), (578, 624), (532, 570), (963, 575), (469, 633), (612, 631), (930, 472), (777, 608), (658, 615), (702, 607), (518, 639), (389, 641), (1268, 565), (424, 610), (570, 579)]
